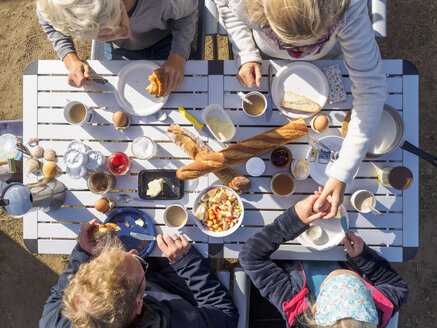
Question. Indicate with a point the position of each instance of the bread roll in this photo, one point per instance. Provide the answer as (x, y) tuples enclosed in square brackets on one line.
[(243, 150), (158, 82), (101, 229), (196, 148), (294, 101)]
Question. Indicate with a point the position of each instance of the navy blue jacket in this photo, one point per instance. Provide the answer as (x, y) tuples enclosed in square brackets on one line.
[(201, 302), (280, 283)]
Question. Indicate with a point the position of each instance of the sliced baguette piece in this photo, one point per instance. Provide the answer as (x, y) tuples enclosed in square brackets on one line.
[(298, 102)]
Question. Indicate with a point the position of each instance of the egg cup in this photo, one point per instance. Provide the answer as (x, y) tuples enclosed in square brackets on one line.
[(314, 118), (128, 121)]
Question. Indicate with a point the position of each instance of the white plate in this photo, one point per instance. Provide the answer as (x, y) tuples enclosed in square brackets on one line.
[(204, 229), (332, 235), (318, 170), (304, 79), (131, 92)]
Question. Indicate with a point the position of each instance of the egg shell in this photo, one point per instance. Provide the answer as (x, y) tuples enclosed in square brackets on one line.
[(49, 155), (50, 169), (119, 118), (102, 205), (33, 165), (37, 151), (320, 123)]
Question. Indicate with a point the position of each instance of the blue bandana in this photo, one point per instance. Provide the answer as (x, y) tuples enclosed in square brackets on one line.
[(345, 296)]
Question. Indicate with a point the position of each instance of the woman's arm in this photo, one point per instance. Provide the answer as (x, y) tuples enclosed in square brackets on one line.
[(240, 35), (363, 62)]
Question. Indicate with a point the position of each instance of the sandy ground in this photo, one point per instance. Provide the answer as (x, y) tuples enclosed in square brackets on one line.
[(25, 278)]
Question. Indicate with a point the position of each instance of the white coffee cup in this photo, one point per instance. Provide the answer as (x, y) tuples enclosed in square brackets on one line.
[(245, 105), (175, 216), (77, 113), (359, 199)]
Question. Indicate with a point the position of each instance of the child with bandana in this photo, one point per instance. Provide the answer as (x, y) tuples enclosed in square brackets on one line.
[(322, 293)]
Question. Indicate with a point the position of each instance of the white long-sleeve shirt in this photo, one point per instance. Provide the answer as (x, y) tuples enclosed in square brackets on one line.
[(355, 36)]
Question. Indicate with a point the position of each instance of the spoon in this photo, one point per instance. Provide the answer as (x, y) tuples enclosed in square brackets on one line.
[(125, 198), (375, 210), (244, 98)]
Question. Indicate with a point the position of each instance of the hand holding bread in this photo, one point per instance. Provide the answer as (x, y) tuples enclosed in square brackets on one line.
[(243, 150), (158, 82)]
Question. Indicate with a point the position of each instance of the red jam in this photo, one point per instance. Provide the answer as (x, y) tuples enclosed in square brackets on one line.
[(119, 163)]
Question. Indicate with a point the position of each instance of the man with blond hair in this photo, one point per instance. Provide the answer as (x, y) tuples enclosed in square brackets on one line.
[(135, 29), (113, 288)]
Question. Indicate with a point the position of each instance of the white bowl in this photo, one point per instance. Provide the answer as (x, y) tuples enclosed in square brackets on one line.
[(204, 228), (217, 110)]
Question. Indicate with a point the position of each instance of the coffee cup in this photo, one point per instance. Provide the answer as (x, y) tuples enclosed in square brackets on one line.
[(282, 184), (175, 216), (77, 113), (362, 200), (259, 104), (101, 182)]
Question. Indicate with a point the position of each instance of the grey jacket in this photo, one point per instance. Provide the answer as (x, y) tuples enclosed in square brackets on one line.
[(150, 22)]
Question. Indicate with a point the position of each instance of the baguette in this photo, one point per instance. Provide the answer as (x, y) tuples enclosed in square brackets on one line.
[(294, 101), (244, 150), (196, 148)]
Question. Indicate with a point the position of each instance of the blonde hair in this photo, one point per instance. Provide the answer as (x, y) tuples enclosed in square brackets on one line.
[(101, 293), (82, 19), (307, 320), (296, 20)]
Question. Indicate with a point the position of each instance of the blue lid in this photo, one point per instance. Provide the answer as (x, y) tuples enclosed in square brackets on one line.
[(19, 199)]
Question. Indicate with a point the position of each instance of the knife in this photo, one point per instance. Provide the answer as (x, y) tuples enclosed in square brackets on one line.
[(269, 109), (98, 80), (142, 236), (344, 225)]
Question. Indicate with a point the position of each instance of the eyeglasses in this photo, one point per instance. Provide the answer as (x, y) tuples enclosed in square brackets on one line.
[(286, 46), (145, 266)]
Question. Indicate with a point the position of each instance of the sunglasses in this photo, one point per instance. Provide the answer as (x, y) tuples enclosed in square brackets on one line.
[(286, 46), (145, 266)]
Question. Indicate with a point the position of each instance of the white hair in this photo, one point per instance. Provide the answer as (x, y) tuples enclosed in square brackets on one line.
[(82, 19)]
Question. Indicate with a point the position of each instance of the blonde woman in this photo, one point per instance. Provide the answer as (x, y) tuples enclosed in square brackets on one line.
[(115, 288), (135, 29), (311, 30), (322, 293)]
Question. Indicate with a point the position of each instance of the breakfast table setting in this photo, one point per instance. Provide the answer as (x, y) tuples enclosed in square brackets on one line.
[(213, 160)]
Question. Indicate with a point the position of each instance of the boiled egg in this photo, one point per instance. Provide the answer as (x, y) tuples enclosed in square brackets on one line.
[(102, 205), (120, 119), (320, 123)]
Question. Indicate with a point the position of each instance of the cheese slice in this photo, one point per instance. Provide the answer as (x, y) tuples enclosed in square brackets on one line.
[(155, 187)]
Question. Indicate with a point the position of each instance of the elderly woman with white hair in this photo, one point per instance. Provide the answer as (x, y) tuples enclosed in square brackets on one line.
[(312, 30), (135, 29)]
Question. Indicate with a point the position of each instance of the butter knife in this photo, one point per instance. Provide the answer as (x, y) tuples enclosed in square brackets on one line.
[(269, 109), (142, 236), (98, 80), (344, 226)]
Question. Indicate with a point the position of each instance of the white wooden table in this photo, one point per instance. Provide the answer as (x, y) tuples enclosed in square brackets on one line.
[(395, 235)]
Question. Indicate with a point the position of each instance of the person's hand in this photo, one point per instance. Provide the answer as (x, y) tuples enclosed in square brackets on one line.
[(304, 209), (173, 247), (78, 71), (249, 75), (85, 238), (175, 69), (335, 190), (353, 244)]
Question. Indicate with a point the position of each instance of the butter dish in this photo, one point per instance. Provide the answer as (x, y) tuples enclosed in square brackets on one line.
[(218, 122)]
